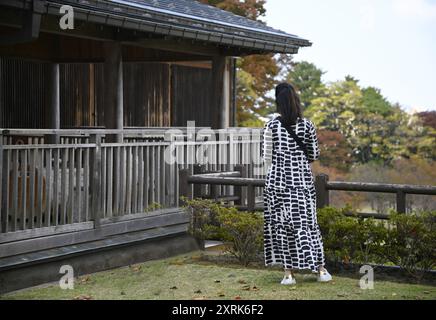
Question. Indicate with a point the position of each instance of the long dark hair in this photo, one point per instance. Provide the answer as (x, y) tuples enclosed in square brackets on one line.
[(288, 103)]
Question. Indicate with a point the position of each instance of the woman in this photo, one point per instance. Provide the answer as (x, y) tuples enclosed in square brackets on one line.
[(292, 235)]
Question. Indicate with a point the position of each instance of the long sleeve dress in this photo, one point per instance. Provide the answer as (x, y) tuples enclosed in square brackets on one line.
[(292, 237)]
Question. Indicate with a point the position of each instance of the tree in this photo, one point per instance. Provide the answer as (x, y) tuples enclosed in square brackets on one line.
[(251, 9), (306, 77), (370, 134), (335, 151), (428, 118), (375, 102)]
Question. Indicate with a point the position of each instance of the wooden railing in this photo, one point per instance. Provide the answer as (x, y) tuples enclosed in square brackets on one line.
[(323, 186), (55, 185)]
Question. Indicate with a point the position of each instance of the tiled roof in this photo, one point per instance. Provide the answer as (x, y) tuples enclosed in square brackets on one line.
[(188, 19), (196, 10)]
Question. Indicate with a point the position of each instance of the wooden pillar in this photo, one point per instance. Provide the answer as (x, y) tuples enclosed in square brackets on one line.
[(322, 192), (54, 112), (401, 202), (2, 125), (221, 95), (185, 189), (113, 99), (234, 92)]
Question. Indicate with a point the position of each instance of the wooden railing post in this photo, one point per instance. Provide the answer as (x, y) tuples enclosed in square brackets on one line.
[(401, 202), (184, 186), (251, 198), (95, 180), (322, 193), (238, 189), (53, 138), (198, 188)]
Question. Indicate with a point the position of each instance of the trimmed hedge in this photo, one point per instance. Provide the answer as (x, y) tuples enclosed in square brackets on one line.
[(405, 240)]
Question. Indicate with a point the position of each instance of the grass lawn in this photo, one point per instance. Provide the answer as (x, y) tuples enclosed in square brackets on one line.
[(191, 276)]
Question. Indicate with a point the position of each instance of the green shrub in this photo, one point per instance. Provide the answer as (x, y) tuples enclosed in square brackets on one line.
[(203, 218), (242, 231), (405, 240), (411, 242), (350, 239)]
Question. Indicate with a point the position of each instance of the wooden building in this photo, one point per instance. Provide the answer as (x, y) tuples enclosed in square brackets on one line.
[(84, 111)]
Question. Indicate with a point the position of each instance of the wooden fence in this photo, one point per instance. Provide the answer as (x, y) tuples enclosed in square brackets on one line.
[(82, 179), (322, 183)]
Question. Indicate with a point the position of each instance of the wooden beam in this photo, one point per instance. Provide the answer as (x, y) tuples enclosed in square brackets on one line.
[(227, 96), (221, 92), (54, 112), (113, 97), (174, 45)]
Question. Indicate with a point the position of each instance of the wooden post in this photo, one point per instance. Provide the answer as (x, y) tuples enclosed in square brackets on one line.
[(251, 198), (198, 188), (214, 194), (113, 73), (233, 113), (54, 113), (401, 202), (96, 186), (322, 192), (3, 209), (220, 92), (184, 186), (238, 189)]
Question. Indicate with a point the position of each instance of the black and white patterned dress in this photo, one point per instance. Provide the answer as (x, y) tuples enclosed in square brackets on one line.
[(292, 235)]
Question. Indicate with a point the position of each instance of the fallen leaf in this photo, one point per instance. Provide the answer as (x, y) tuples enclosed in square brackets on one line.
[(83, 297), (136, 268), (177, 263), (85, 279)]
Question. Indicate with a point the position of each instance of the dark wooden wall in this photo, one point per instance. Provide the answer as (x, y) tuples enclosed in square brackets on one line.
[(23, 93), (155, 94), (79, 98), (147, 100), (191, 96)]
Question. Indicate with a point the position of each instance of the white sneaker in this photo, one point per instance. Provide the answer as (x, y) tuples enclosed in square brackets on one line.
[(288, 281), (324, 276)]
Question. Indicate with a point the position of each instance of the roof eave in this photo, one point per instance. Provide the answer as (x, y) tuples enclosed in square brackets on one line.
[(134, 19)]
